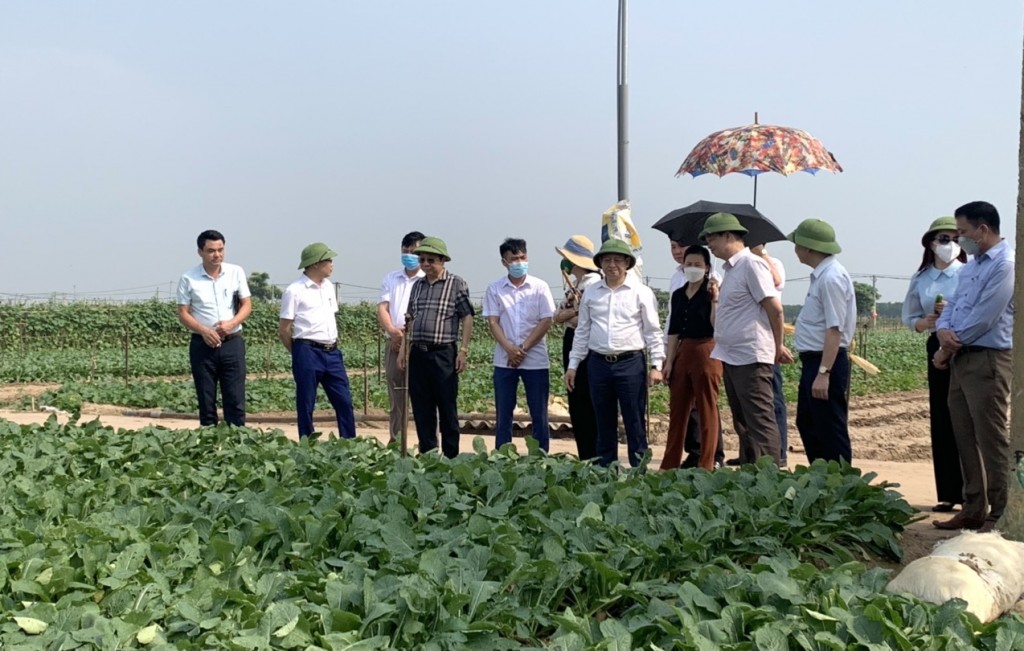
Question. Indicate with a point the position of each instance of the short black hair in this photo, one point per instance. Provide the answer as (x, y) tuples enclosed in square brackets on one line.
[(415, 237), (699, 250), (512, 245), (208, 235), (978, 213)]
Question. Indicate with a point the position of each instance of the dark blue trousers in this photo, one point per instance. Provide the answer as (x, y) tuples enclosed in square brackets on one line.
[(224, 365), (312, 366), (434, 393), (824, 424), (613, 386), (537, 383)]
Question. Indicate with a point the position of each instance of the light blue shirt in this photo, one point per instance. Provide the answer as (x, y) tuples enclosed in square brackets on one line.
[(925, 285), (830, 303), (210, 299), (981, 310)]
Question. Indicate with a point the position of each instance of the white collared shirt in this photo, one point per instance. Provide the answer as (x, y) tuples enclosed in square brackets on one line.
[(311, 308), (830, 303), (743, 333), (617, 321), (394, 291), (519, 310), (210, 300)]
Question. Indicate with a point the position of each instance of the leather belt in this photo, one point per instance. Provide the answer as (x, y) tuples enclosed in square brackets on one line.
[(224, 339), (975, 349), (429, 347), (327, 348), (618, 357)]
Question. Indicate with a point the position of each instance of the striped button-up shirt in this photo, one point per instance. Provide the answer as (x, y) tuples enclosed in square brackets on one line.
[(437, 308)]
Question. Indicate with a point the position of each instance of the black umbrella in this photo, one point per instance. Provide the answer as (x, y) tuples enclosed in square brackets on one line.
[(685, 224)]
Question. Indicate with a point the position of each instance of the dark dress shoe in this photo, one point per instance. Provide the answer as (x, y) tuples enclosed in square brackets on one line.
[(944, 507), (958, 522), (733, 462)]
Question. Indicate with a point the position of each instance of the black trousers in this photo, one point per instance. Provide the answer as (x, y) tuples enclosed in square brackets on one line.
[(581, 407), (949, 478), (691, 444), (434, 393), (824, 424), (224, 365)]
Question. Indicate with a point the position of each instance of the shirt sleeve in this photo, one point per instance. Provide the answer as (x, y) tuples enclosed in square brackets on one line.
[(912, 308), (581, 340), (675, 324), (759, 278), (835, 301), (288, 305), (463, 307), (492, 304), (243, 284), (547, 302), (184, 291), (385, 290), (781, 269), (653, 335)]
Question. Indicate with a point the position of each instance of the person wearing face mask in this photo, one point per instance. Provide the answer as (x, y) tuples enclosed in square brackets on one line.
[(935, 280), (691, 443), (693, 377), (394, 300), (519, 309), (975, 333)]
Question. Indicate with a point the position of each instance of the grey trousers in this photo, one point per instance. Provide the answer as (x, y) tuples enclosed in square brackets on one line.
[(752, 401), (979, 401), (395, 379)]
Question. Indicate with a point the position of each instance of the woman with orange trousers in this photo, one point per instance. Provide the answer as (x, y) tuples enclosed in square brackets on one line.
[(692, 376)]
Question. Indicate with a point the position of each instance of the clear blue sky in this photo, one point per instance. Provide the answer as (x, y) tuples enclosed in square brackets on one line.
[(128, 127)]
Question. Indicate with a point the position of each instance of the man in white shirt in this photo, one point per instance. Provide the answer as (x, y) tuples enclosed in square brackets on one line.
[(309, 330), (748, 337), (824, 329), (519, 308), (391, 308), (213, 301), (618, 318)]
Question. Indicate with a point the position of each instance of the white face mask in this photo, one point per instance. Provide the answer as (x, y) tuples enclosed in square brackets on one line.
[(693, 274), (947, 252)]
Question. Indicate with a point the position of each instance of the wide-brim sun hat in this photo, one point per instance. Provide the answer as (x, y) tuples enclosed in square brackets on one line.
[(433, 245), (816, 235), (579, 250), (314, 253), (615, 246), (721, 222)]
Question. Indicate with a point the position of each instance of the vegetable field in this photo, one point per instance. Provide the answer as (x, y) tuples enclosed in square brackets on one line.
[(234, 539), (135, 355)]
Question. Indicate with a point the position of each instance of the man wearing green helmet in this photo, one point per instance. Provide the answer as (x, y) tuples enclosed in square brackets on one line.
[(309, 330)]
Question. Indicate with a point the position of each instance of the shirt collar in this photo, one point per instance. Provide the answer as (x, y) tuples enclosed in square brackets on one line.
[(441, 278), (823, 266), (526, 283), (736, 256), (997, 251), (953, 269)]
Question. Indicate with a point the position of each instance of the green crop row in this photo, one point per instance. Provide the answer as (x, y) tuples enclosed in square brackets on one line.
[(231, 538)]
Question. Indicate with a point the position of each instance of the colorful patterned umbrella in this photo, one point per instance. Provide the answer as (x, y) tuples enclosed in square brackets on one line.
[(758, 148)]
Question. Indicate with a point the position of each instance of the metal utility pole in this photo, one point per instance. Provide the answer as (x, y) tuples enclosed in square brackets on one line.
[(622, 97)]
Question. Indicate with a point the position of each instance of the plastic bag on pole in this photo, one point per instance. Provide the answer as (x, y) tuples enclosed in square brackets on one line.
[(617, 223)]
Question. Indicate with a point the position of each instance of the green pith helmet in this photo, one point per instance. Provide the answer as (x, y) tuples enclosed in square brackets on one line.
[(615, 246), (816, 235), (433, 245), (316, 252), (721, 222), (941, 224)]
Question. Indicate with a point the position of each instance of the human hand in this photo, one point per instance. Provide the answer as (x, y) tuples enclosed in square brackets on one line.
[(783, 355), (654, 377), (926, 323), (666, 372), (948, 340), (212, 337), (819, 388), (570, 379), (713, 289), (460, 362), (941, 359)]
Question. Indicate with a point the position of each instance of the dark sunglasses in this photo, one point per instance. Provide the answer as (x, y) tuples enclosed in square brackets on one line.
[(424, 260), (946, 239)]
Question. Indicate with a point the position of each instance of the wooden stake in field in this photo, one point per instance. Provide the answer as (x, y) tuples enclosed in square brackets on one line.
[(404, 353)]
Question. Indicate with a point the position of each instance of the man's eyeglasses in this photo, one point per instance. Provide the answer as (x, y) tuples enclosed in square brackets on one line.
[(946, 239), (425, 260)]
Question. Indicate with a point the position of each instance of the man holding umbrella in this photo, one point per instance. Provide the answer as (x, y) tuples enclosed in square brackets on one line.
[(748, 336)]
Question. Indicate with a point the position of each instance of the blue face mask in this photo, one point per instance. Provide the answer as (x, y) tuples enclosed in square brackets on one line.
[(410, 261), (518, 269)]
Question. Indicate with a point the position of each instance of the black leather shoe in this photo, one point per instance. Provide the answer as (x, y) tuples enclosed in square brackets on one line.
[(732, 462), (944, 507), (958, 522)]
